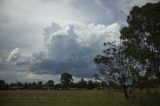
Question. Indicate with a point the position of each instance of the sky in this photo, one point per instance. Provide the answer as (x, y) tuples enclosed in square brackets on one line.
[(41, 39)]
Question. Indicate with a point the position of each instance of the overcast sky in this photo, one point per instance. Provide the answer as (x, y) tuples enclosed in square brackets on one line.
[(40, 39)]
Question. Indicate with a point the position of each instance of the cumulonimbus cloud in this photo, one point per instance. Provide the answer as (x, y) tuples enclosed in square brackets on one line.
[(70, 48)]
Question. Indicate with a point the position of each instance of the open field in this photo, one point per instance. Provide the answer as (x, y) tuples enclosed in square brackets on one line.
[(77, 98)]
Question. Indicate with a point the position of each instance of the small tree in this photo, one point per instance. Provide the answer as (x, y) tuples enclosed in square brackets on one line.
[(40, 84), (3, 85), (50, 84), (66, 79), (82, 83), (117, 68), (90, 84)]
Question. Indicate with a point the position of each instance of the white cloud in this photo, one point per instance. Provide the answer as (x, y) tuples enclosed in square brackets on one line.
[(91, 34), (71, 48), (22, 21), (14, 55)]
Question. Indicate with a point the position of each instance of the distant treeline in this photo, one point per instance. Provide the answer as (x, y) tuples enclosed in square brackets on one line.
[(82, 84), (67, 83)]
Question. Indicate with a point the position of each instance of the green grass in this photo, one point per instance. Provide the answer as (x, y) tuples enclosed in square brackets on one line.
[(77, 98)]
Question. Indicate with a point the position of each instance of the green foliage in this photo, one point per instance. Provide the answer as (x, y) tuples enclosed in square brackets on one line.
[(141, 37), (66, 79), (91, 84), (3, 85), (101, 59), (50, 84), (119, 71), (82, 84)]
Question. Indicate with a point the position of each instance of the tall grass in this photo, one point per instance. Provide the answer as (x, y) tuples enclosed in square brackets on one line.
[(78, 98)]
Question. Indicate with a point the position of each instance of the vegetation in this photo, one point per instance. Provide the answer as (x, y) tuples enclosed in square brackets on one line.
[(66, 80), (137, 61), (82, 84), (118, 69), (141, 38), (50, 84), (78, 98)]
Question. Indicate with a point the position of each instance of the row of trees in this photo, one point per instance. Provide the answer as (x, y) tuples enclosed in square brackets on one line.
[(135, 60), (66, 83), (32, 85)]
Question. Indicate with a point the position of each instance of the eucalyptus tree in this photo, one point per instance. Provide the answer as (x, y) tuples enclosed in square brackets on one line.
[(141, 37), (117, 68)]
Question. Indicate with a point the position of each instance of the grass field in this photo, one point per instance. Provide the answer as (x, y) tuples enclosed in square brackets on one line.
[(77, 98)]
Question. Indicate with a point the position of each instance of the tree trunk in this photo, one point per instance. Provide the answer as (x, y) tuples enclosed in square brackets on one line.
[(156, 69), (125, 91)]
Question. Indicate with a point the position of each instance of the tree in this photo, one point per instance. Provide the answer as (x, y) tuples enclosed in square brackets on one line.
[(50, 84), (82, 83), (141, 37), (3, 85), (90, 84), (19, 84), (117, 69), (66, 79), (103, 84), (40, 84)]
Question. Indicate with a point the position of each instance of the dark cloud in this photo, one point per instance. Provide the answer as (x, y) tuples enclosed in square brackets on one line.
[(68, 51), (78, 68)]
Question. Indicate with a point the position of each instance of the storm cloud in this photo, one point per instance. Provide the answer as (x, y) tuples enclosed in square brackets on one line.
[(72, 48)]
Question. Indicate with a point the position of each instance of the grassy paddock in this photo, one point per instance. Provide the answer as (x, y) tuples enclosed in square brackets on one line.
[(78, 98)]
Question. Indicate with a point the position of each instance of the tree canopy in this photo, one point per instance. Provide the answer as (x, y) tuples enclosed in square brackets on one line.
[(141, 37), (66, 79), (139, 52), (50, 84), (118, 69)]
